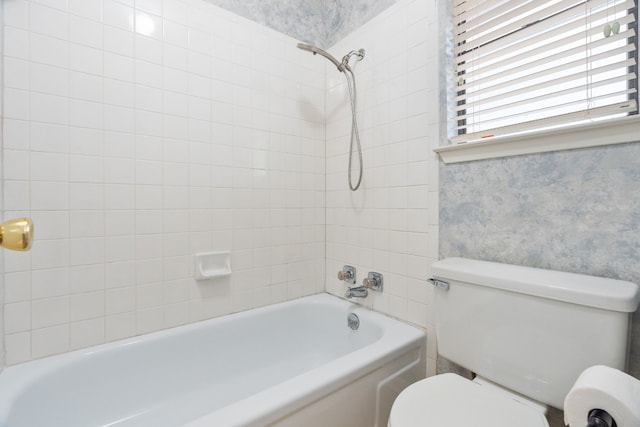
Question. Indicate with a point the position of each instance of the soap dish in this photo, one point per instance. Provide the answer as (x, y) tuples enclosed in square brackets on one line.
[(210, 265)]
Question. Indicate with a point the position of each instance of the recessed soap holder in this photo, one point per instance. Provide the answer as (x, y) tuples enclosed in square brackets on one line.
[(210, 265)]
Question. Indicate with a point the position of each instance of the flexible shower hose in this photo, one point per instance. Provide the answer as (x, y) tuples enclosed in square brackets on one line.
[(355, 135)]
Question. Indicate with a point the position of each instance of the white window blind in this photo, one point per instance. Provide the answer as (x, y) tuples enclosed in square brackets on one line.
[(521, 66)]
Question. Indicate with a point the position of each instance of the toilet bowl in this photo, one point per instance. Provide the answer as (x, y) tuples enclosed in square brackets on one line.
[(524, 332), (449, 400)]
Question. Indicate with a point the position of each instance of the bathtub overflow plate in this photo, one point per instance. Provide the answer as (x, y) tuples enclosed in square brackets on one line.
[(353, 321)]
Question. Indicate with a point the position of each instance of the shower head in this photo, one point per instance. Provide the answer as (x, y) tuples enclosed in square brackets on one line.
[(317, 50)]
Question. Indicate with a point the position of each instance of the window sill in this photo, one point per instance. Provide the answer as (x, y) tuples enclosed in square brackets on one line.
[(618, 131)]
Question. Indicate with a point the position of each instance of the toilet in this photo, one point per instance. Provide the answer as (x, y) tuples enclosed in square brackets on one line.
[(525, 333)]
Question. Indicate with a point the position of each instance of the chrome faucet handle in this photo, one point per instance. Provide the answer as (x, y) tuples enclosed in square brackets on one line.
[(374, 281), (348, 274)]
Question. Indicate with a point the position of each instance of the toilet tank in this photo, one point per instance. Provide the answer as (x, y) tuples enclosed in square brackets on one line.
[(530, 330)]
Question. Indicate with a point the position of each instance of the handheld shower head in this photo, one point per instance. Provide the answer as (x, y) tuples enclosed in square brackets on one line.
[(317, 50)]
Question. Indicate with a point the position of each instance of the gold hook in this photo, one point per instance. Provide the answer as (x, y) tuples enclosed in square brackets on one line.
[(16, 234)]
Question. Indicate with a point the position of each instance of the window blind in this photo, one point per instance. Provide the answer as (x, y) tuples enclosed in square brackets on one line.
[(527, 65)]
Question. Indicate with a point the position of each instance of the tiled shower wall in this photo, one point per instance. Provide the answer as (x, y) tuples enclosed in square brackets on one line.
[(390, 225), (137, 135)]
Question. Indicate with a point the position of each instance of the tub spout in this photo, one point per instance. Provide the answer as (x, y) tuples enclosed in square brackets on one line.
[(357, 291)]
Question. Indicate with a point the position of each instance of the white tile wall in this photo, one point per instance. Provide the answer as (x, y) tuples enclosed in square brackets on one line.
[(390, 225), (136, 136)]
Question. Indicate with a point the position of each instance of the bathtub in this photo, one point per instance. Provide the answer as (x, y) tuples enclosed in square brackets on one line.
[(296, 363)]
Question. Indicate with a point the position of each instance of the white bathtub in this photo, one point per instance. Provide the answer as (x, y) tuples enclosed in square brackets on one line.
[(290, 364)]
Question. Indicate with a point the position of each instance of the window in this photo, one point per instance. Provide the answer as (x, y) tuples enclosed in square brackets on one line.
[(524, 66)]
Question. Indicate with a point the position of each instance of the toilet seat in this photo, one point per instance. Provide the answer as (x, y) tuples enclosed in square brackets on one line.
[(448, 400)]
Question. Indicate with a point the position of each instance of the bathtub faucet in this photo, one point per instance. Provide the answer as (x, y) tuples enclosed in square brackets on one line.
[(357, 291), (373, 282)]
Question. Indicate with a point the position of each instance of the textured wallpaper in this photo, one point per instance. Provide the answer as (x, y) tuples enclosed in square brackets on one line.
[(575, 211), (319, 22)]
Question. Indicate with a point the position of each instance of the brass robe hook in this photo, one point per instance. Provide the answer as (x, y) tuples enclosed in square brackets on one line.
[(16, 234)]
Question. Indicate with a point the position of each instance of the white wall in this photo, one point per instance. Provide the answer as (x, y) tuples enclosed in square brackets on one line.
[(2, 356), (135, 146), (390, 225)]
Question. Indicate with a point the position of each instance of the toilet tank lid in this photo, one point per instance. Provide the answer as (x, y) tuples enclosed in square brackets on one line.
[(599, 292)]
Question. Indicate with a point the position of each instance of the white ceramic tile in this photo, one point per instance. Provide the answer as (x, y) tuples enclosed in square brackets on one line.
[(49, 108), (49, 167), (89, 305), (119, 274), (17, 287), (175, 10), (16, 165), (120, 326), (86, 224), (16, 73), (86, 278), (149, 197), (119, 223), (120, 120), (16, 14), (149, 247), (56, 4), (85, 31), (148, 25), (86, 86), (49, 283), (120, 300), (148, 74), (175, 104), (149, 123), (148, 222), (18, 347), (119, 196), (85, 169), (49, 312), (117, 42), (16, 104), (91, 9), (148, 98), (86, 59), (48, 21), (151, 6), (175, 33), (118, 15), (84, 251), (149, 320), (17, 317), (48, 195), (86, 333), (16, 134), (149, 295)]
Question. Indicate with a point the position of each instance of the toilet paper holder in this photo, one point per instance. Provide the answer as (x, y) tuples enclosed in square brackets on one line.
[(600, 418)]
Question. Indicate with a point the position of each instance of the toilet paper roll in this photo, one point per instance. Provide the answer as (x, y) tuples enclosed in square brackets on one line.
[(602, 387)]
